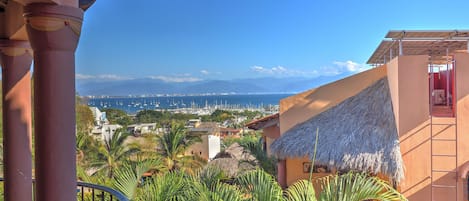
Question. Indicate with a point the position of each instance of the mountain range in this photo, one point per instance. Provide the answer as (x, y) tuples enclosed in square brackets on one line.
[(148, 86)]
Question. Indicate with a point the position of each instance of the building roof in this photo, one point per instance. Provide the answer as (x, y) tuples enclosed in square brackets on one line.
[(357, 134), (433, 43), (205, 128), (263, 122), (232, 130)]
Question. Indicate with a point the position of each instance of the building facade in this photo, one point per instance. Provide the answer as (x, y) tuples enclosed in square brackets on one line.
[(419, 137)]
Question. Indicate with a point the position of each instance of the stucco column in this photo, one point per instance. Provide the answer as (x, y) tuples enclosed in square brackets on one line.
[(281, 173), (53, 32), (15, 59)]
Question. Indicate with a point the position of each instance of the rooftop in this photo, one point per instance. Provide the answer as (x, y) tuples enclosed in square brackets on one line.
[(436, 43), (263, 122)]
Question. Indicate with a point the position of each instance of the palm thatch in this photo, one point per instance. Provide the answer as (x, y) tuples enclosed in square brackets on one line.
[(358, 134), (233, 160), (235, 151), (230, 166)]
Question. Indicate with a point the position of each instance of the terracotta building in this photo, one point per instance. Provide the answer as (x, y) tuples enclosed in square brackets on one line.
[(406, 119), (209, 133)]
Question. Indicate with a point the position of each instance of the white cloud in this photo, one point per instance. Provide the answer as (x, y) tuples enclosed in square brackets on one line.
[(175, 78), (282, 71), (83, 76), (113, 77), (351, 66), (337, 68), (101, 77), (205, 72), (273, 70)]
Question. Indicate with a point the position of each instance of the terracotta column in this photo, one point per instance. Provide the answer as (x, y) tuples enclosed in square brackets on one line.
[(53, 32), (15, 59), (281, 173)]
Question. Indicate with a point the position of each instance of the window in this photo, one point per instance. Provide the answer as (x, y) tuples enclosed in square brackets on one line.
[(316, 169)]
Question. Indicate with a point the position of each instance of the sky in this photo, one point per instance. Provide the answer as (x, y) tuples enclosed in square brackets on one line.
[(193, 40)]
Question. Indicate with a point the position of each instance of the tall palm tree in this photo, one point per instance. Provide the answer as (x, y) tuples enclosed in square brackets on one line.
[(113, 152), (172, 146)]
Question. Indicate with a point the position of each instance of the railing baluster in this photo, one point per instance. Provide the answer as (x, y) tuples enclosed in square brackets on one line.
[(102, 195), (92, 193), (82, 193)]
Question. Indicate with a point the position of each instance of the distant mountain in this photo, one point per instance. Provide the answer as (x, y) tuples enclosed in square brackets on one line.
[(240, 86)]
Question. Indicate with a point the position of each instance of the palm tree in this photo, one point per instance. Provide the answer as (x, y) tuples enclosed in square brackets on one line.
[(258, 185), (177, 185), (217, 192), (128, 178), (356, 187), (172, 146), (263, 160), (170, 186), (113, 152), (210, 175), (302, 190), (85, 147)]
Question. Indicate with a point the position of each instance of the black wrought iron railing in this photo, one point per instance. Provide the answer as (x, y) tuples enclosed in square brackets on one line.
[(94, 192)]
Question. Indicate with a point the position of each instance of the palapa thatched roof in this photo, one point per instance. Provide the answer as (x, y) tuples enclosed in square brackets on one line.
[(358, 134), (232, 160), (231, 166), (235, 151)]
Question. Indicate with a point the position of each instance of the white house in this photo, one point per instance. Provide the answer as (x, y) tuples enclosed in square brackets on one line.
[(209, 132), (99, 117), (106, 130), (139, 129)]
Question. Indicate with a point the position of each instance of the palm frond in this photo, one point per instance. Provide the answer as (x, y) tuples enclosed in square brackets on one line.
[(264, 161), (357, 187), (302, 190), (173, 144), (217, 192), (210, 176), (259, 185), (129, 176), (170, 186)]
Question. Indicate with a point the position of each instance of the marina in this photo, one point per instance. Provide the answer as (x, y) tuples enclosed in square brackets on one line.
[(201, 105)]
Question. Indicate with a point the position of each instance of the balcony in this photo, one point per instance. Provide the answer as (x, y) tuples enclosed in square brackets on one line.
[(88, 191)]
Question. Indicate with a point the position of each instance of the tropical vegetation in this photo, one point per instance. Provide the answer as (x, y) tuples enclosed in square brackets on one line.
[(161, 170), (164, 172), (172, 147)]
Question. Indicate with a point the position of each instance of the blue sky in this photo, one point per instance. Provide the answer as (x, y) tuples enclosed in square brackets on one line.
[(191, 40)]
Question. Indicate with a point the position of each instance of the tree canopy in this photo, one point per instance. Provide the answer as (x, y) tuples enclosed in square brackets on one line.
[(116, 116)]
